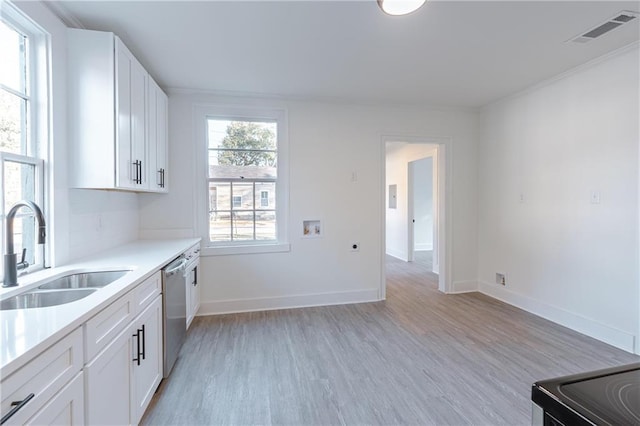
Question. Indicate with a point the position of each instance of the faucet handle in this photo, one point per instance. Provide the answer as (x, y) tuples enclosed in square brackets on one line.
[(23, 264)]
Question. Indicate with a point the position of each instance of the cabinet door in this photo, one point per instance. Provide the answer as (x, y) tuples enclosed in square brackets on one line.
[(66, 408), (108, 383), (131, 81), (157, 119), (147, 350), (193, 294)]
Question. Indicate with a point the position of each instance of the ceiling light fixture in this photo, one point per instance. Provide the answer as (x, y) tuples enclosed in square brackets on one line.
[(400, 7)]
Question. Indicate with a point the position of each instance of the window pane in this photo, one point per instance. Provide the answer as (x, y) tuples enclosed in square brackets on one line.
[(19, 181), (243, 193), (265, 195), (24, 236), (242, 226), (12, 52), (13, 123), (242, 149), (220, 226), (219, 196), (266, 225)]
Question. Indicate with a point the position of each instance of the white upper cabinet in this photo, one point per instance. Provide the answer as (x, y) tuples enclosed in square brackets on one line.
[(114, 116), (157, 114)]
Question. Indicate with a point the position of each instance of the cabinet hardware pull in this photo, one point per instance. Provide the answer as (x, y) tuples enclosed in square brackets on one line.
[(160, 178), (137, 336), (144, 338), (138, 172), (17, 405)]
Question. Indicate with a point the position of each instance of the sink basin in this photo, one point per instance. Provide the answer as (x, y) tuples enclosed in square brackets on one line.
[(84, 280), (44, 298)]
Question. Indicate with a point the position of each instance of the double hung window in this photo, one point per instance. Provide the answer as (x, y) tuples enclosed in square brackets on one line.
[(246, 180), (21, 164)]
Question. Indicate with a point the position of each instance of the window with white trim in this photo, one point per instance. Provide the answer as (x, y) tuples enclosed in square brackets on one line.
[(246, 180), (242, 161), (22, 129)]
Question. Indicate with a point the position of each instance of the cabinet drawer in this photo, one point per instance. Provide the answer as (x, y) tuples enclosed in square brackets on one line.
[(144, 294), (107, 324), (43, 377)]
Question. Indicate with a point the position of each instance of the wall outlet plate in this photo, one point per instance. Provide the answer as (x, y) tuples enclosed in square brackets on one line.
[(501, 278)]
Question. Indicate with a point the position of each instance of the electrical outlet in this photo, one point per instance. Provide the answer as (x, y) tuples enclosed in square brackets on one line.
[(501, 278), (355, 246)]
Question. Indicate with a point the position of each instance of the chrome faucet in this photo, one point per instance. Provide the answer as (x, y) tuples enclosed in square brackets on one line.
[(11, 266)]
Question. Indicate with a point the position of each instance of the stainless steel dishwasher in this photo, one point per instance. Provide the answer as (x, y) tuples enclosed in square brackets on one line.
[(174, 310)]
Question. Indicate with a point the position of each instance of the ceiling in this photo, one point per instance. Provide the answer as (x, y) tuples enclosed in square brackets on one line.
[(448, 53)]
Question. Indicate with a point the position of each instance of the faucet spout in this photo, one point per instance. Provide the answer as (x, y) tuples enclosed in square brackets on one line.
[(10, 258)]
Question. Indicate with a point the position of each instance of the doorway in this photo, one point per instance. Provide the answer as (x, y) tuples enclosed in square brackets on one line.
[(405, 162), (422, 200)]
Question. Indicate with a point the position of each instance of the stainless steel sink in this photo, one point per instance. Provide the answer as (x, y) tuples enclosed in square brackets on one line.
[(44, 298), (84, 280)]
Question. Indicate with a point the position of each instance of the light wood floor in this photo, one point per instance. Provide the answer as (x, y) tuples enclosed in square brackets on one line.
[(418, 358)]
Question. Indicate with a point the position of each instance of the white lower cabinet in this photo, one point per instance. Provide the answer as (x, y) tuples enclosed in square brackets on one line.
[(47, 387), (66, 408), (147, 351), (108, 383), (192, 289), (122, 378)]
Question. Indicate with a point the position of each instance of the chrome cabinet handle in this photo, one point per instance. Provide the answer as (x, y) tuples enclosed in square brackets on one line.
[(17, 405)]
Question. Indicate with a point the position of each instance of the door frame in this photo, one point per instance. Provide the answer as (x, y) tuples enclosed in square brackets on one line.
[(443, 214)]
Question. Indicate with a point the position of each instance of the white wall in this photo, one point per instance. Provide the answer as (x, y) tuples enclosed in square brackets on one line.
[(399, 155), (423, 204), (566, 259), (327, 143), (80, 222)]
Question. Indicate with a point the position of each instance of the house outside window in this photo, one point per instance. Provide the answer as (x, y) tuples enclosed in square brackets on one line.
[(23, 129), (264, 198)]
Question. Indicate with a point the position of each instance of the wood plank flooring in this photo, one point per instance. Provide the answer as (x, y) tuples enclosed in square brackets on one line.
[(418, 358)]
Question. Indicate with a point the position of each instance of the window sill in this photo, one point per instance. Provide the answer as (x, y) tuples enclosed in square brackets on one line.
[(248, 249)]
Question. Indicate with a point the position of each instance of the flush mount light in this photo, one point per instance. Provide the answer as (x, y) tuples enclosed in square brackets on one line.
[(400, 7)]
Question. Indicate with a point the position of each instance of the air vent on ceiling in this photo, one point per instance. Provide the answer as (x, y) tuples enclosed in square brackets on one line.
[(610, 24)]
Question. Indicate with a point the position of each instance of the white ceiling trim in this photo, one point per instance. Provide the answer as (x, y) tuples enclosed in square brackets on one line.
[(592, 63)]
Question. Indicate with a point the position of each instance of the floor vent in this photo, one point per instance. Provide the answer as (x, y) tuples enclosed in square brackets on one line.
[(610, 24)]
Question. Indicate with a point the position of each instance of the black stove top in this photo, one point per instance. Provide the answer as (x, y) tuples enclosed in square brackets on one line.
[(603, 397)]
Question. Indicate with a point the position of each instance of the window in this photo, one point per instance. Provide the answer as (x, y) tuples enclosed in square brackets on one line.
[(242, 161), (21, 126), (246, 180)]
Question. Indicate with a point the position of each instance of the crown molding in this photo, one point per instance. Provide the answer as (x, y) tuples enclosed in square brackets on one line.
[(61, 11), (576, 70)]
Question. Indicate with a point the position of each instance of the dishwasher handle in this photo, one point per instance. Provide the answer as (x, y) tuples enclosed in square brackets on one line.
[(171, 269)]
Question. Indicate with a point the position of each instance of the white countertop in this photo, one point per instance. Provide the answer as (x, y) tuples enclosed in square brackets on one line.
[(24, 333)]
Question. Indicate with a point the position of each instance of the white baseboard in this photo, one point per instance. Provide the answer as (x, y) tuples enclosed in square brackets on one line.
[(424, 247), (216, 307), (463, 287), (587, 326), (397, 254)]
